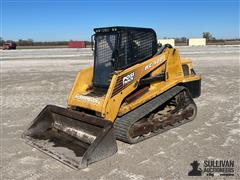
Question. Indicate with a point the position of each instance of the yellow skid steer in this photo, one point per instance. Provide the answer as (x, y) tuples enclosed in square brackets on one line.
[(135, 90)]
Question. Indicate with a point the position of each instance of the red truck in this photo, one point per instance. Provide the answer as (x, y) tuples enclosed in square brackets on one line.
[(9, 45)]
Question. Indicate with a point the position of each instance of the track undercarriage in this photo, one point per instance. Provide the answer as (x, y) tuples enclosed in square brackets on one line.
[(176, 111)]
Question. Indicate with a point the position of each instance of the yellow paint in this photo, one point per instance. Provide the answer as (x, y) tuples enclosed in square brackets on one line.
[(109, 107)]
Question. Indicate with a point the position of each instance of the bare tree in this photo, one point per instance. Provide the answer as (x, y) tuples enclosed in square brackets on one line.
[(208, 36)]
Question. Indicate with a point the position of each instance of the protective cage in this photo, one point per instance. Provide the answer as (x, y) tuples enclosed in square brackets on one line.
[(117, 48), (74, 138)]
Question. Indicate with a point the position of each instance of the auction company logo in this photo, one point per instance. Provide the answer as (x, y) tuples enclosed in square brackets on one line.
[(212, 168)]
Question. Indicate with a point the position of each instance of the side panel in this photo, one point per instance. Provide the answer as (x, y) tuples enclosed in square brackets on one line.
[(194, 88), (174, 76), (174, 66), (191, 80), (125, 82), (81, 85)]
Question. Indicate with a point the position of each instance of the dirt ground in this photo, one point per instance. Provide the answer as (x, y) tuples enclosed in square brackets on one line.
[(31, 79)]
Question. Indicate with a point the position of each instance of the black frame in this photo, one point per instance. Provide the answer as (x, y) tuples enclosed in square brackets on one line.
[(129, 32), (95, 54)]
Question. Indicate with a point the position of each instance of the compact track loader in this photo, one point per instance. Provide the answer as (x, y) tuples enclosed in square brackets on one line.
[(135, 90)]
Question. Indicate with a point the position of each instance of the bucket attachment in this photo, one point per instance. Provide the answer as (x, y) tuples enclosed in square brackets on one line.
[(74, 138)]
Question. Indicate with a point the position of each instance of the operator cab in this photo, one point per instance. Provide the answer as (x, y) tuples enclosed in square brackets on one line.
[(117, 48)]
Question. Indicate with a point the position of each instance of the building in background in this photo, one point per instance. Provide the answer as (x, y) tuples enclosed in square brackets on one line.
[(166, 41), (197, 42), (77, 44)]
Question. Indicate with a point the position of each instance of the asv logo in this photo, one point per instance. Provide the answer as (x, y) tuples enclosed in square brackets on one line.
[(128, 78)]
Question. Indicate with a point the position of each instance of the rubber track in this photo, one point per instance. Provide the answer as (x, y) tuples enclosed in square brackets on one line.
[(122, 124)]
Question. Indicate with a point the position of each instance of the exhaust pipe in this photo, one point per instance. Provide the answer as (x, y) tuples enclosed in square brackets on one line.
[(75, 138)]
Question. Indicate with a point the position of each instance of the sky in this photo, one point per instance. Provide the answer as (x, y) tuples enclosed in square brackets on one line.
[(51, 20)]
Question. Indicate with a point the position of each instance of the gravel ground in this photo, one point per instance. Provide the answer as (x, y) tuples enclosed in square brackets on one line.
[(31, 79)]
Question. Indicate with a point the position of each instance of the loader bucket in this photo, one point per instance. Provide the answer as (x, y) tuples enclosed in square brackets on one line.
[(74, 138)]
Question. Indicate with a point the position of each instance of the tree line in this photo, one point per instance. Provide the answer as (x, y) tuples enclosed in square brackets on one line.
[(209, 38), (30, 42)]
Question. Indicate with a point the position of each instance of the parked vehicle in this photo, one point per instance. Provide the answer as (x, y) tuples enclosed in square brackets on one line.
[(9, 45)]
